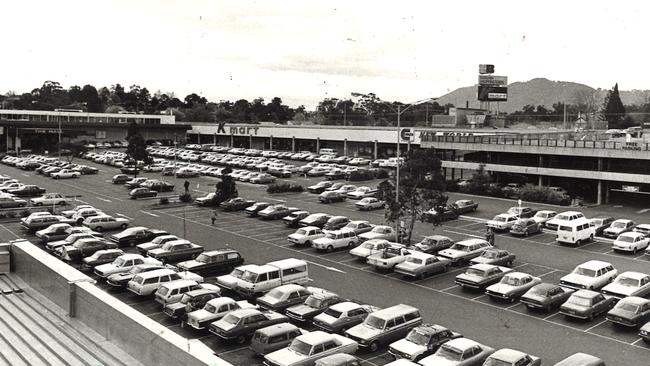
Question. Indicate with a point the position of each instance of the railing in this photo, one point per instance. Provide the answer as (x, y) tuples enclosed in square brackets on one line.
[(499, 140)]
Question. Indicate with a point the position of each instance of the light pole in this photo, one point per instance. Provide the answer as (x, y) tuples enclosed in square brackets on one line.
[(397, 154), (59, 137)]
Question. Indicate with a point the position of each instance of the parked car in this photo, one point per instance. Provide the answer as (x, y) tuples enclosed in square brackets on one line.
[(122, 264), (141, 192), (27, 191), (65, 174), (507, 356), (628, 284), (52, 245), (82, 248), (502, 222), (136, 235), (316, 219), (459, 352), (214, 310), (497, 257), (525, 227), (336, 222), (274, 337), (464, 206), (562, 219), (315, 304), (511, 190), (307, 348), (236, 204), (284, 296), (630, 242), (379, 232), (643, 229), (293, 219), (306, 235), (465, 250), (35, 223), (362, 192), (433, 244), (100, 257), (262, 179), (586, 304), (369, 203), (602, 223), (388, 258), (618, 227), (119, 280), (591, 275), (157, 242), (104, 222), (255, 208), (239, 325), (175, 251), (419, 265), (370, 247), (521, 212), (421, 341), (207, 200), (542, 216), (581, 359), (275, 212), (512, 286), (158, 186), (545, 296), (358, 226), (480, 276), (336, 239), (632, 311), (213, 261), (192, 300), (319, 187), (135, 182), (331, 196), (342, 316), (438, 214)]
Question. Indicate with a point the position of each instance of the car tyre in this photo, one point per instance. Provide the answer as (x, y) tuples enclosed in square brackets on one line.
[(374, 346), (132, 243), (62, 203), (591, 237), (330, 249), (39, 204), (241, 339), (590, 317), (123, 226), (308, 243), (99, 229)]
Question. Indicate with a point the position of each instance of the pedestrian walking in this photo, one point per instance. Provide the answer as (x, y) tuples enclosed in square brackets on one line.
[(214, 217), (187, 186), (489, 236)]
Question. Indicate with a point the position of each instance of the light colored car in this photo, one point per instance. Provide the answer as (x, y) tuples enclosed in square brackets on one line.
[(421, 342), (419, 265), (459, 352), (362, 192), (105, 222), (511, 357), (306, 235), (379, 232), (65, 174), (563, 218), (502, 222), (618, 227), (229, 281), (543, 216), (49, 199), (70, 213), (307, 348), (630, 242), (480, 276), (123, 264), (157, 242), (336, 240), (214, 310), (370, 247), (465, 250), (342, 316), (262, 179), (591, 275), (370, 203), (358, 226), (388, 258), (628, 284), (512, 286)]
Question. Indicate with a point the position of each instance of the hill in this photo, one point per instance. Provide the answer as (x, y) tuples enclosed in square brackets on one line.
[(544, 92)]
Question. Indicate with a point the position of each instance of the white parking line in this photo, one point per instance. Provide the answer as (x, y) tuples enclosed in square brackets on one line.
[(349, 260), (149, 213), (24, 174), (637, 341), (547, 273), (513, 305), (449, 288), (12, 233), (126, 217), (641, 256), (590, 328), (84, 202), (233, 350), (478, 297), (326, 267), (551, 315), (103, 199)]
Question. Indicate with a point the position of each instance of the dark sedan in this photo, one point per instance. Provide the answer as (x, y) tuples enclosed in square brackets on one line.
[(255, 208), (236, 204), (545, 296), (27, 191), (142, 193), (440, 214), (213, 261), (433, 244), (632, 311), (586, 304), (120, 179), (497, 257), (464, 206), (293, 219), (525, 227)]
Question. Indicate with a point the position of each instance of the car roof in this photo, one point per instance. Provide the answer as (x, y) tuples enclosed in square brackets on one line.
[(315, 337), (462, 343), (420, 255), (588, 294), (634, 275), (545, 286), (518, 275), (580, 359), (570, 213), (594, 264), (219, 251), (275, 329), (483, 266), (623, 220), (245, 312), (290, 287), (643, 226), (632, 234), (471, 241), (437, 237), (345, 306), (635, 300), (389, 313), (508, 355), (128, 256)]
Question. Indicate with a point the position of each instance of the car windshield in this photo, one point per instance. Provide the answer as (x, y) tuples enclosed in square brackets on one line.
[(512, 281), (460, 247), (333, 313), (167, 246), (626, 306), (275, 294), (231, 319), (367, 246), (418, 338), (496, 362), (541, 215), (237, 273), (313, 302), (499, 218), (474, 272), (249, 276), (374, 322), (414, 260), (627, 281), (300, 347), (185, 299), (119, 262), (585, 272), (330, 235), (625, 239), (581, 301), (597, 222), (450, 353), (202, 258), (489, 254), (539, 291), (210, 308), (618, 225)]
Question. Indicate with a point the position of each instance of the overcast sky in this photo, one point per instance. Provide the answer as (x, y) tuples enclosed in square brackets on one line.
[(304, 51)]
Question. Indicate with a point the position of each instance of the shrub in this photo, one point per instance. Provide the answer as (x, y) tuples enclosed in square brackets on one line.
[(163, 201), (494, 190), (11, 214), (25, 213), (361, 174), (452, 185), (381, 174), (186, 198), (284, 187)]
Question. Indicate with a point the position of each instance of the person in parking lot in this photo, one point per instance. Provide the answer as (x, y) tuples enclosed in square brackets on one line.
[(489, 236), (186, 185), (214, 217)]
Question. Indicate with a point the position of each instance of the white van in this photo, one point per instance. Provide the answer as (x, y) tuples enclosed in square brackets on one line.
[(146, 283), (260, 279), (576, 231), (327, 151)]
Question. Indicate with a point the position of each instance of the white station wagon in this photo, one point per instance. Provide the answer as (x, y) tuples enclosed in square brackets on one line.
[(105, 222), (336, 240)]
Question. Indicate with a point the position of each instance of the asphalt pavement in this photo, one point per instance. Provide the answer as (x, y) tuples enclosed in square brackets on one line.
[(550, 336)]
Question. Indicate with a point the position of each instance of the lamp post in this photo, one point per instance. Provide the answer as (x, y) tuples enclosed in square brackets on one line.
[(59, 137), (397, 154)]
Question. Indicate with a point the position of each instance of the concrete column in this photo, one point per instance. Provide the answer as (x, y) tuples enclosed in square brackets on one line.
[(317, 144), (214, 139), (600, 192), (408, 146), (271, 142), (540, 181), (606, 192), (198, 137), (375, 150), (345, 147), (17, 144), (541, 162), (600, 164), (453, 173), (293, 144), (250, 141), (232, 141)]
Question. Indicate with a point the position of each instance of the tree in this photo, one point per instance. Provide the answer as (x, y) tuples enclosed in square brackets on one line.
[(421, 188), (76, 149), (480, 180), (225, 189), (613, 110), (136, 149)]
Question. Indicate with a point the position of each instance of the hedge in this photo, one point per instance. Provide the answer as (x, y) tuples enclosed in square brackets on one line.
[(361, 174), (284, 187)]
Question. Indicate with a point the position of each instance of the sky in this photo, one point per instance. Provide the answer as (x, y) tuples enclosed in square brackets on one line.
[(305, 51)]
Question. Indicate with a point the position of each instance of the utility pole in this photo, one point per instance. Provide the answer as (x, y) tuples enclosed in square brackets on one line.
[(397, 221), (345, 109), (564, 118)]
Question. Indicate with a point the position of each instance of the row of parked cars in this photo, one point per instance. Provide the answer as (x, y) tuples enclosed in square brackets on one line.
[(48, 166)]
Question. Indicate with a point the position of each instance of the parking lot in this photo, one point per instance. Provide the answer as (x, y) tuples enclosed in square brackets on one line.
[(549, 335)]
